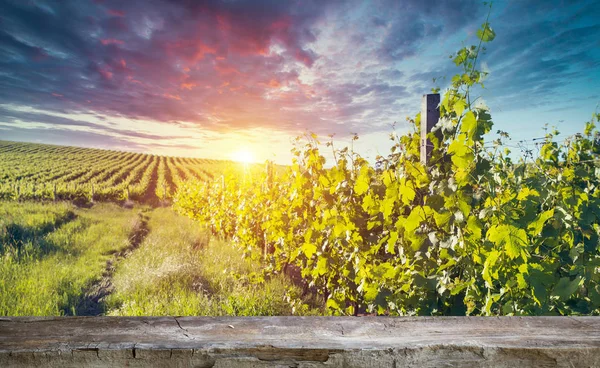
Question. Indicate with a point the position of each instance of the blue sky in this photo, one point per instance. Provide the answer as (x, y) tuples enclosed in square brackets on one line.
[(207, 78)]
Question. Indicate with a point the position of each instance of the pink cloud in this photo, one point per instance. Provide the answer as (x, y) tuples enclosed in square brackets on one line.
[(281, 25), (217, 57), (131, 79), (111, 41), (172, 97), (223, 23), (105, 73), (225, 70), (115, 13), (190, 50), (202, 50), (304, 57), (188, 86)]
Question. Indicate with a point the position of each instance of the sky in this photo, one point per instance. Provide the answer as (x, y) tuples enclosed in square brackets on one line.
[(211, 78)]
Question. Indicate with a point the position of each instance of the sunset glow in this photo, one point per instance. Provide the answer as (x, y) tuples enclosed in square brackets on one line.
[(243, 156), (196, 78)]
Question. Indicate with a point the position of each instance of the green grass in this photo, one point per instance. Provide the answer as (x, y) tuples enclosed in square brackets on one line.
[(48, 274), (178, 271), (52, 254), (22, 222)]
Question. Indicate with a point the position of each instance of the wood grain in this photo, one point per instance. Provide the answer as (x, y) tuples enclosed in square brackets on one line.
[(300, 342)]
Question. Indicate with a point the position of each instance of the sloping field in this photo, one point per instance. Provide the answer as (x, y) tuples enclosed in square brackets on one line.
[(41, 171)]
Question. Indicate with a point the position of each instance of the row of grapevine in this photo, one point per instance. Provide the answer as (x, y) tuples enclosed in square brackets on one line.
[(37, 165), (475, 232), (47, 172), (162, 187), (143, 185)]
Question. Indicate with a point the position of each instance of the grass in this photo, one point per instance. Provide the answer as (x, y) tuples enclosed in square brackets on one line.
[(52, 255), (178, 270), (22, 222), (47, 274)]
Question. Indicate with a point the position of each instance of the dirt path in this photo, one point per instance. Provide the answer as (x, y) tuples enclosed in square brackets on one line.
[(92, 302)]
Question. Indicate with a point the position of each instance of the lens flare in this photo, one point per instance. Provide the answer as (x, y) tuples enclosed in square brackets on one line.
[(244, 156)]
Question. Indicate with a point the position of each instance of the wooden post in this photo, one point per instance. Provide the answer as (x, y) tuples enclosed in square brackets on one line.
[(93, 192), (430, 114)]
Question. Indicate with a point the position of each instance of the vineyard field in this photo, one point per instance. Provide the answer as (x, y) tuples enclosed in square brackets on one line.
[(453, 221), (49, 172)]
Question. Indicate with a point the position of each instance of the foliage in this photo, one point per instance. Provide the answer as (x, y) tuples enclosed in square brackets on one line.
[(472, 233), (30, 171)]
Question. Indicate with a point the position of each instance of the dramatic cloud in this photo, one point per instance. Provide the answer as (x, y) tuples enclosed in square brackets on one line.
[(538, 56), (208, 68)]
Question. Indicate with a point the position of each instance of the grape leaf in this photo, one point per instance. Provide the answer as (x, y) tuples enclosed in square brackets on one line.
[(511, 238)]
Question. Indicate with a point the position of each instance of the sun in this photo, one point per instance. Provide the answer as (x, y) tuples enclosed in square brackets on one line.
[(243, 156)]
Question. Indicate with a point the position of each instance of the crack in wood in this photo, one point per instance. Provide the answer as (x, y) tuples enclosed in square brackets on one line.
[(304, 342), (183, 329)]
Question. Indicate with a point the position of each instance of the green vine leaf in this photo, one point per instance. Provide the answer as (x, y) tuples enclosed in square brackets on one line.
[(486, 33), (566, 287), (512, 239)]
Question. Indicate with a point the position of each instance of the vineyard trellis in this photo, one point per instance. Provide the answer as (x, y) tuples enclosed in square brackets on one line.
[(31, 171)]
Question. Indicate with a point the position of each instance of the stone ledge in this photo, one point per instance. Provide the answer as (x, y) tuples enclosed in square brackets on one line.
[(300, 342)]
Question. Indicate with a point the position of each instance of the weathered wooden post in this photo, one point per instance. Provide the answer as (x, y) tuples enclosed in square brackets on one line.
[(430, 114)]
